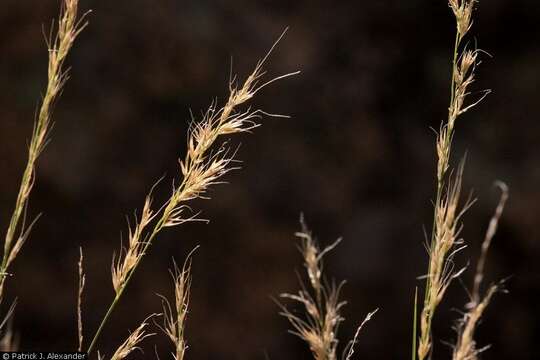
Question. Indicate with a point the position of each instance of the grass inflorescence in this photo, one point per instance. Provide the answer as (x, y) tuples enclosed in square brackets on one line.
[(207, 159)]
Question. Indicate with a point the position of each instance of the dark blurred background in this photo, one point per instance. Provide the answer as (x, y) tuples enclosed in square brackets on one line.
[(357, 157)]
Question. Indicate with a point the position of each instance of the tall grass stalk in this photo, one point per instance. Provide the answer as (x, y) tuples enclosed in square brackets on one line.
[(59, 45), (445, 241), (202, 167)]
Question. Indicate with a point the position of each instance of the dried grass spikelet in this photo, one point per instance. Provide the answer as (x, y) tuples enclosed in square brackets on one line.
[(321, 303), (132, 342), (322, 309), (313, 255), (462, 10), (59, 45), (128, 258), (174, 319), (320, 330), (463, 76), (445, 244)]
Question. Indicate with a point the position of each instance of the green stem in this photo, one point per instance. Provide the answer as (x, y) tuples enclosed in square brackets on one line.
[(155, 231), (105, 318)]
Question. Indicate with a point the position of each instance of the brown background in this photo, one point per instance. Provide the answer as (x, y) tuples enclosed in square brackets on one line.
[(356, 157)]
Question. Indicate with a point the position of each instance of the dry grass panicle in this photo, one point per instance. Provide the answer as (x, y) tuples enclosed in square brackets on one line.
[(128, 258), (463, 75), (441, 252), (174, 318), (132, 342), (204, 165), (445, 242), (69, 26), (321, 303)]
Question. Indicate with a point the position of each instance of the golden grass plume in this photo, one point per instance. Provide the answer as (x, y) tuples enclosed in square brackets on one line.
[(203, 166)]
